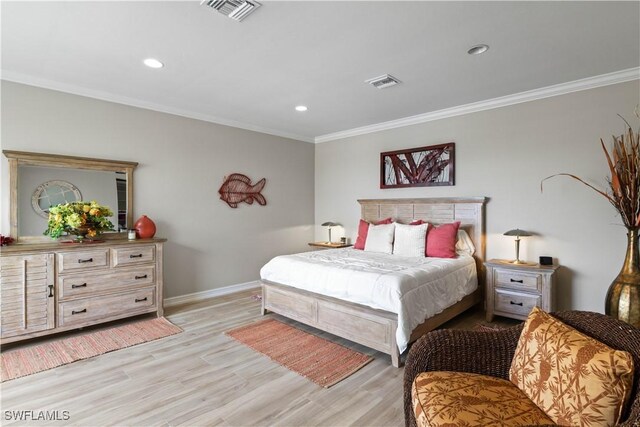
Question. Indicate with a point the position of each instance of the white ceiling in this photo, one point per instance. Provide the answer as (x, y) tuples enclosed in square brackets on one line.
[(253, 73)]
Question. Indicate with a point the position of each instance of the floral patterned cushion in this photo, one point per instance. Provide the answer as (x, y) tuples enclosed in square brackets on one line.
[(462, 399), (573, 378)]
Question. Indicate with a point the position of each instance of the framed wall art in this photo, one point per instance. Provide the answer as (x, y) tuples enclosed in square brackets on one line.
[(418, 167)]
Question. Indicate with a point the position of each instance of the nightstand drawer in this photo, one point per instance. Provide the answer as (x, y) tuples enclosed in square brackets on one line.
[(514, 302), (518, 280)]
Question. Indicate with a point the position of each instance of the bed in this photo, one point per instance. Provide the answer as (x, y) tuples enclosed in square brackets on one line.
[(371, 298)]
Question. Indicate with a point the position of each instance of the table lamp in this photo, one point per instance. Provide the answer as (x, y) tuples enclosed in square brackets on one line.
[(329, 224), (518, 233)]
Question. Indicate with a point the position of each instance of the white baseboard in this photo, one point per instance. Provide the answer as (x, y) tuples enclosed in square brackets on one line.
[(199, 296)]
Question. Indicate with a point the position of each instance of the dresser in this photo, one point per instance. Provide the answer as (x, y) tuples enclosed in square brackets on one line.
[(53, 287), (514, 289)]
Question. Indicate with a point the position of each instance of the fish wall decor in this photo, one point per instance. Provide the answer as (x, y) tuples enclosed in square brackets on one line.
[(237, 188)]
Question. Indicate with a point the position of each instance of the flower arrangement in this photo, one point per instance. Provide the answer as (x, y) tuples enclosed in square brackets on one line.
[(83, 219), (624, 183)]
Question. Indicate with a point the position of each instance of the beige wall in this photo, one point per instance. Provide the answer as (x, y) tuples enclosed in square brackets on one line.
[(503, 154), (182, 164)]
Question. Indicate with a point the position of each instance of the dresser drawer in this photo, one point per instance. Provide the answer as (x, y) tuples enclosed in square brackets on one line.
[(122, 279), (135, 255), (514, 302), (518, 280), (88, 310), (82, 260)]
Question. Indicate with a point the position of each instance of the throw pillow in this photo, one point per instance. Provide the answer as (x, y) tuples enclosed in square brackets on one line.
[(410, 240), (572, 377), (441, 240), (464, 243), (363, 229), (380, 238)]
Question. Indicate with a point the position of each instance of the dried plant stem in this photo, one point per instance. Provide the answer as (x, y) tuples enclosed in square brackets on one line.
[(624, 182)]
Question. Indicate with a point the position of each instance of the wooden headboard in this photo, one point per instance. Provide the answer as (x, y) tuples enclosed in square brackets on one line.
[(469, 211)]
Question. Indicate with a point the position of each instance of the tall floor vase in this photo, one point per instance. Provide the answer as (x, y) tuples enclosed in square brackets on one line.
[(623, 297)]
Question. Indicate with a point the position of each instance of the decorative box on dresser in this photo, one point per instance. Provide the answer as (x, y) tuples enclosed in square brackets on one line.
[(514, 289), (53, 287)]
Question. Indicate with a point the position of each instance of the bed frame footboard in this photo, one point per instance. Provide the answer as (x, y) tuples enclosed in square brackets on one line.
[(358, 323)]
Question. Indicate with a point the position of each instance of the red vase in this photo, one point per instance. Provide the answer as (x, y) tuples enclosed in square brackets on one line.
[(145, 228)]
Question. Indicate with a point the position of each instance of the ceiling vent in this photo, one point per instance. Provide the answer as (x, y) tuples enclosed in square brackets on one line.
[(382, 82), (234, 9)]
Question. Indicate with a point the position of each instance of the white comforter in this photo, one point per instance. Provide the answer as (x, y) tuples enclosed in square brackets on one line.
[(413, 288)]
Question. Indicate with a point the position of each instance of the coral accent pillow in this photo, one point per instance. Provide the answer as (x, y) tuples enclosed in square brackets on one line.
[(380, 238), (363, 230), (570, 376), (441, 240)]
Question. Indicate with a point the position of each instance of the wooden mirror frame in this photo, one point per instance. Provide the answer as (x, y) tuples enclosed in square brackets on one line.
[(17, 158)]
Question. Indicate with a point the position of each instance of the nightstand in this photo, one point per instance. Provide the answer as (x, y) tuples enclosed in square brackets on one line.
[(332, 245), (514, 289)]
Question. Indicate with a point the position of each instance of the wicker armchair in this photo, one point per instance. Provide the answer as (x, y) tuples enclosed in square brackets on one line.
[(490, 353)]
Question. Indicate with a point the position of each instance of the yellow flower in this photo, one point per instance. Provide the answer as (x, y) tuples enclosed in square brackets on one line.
[(95, 212), (86, 208), (91, 232), (74, 220), (58, 218)]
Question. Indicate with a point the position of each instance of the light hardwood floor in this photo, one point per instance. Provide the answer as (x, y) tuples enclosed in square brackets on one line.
[(202, 377)]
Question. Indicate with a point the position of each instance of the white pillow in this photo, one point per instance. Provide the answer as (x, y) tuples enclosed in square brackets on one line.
[(464, 244), (380, 238), (410, 240)]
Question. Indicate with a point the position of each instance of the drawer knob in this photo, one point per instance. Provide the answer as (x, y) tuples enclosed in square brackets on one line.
[(82, 261), (517, 281), (141, 299), (84, 285), (135, 256), (84, 310), (141, 277), (515, 303)]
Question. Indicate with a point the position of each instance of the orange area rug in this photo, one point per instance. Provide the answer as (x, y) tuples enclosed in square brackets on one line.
[(317, 359), (20, 362)]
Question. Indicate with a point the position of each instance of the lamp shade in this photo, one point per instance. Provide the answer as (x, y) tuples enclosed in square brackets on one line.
[(518, 233)]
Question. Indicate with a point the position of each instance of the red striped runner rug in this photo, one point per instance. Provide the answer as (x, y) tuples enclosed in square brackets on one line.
[(317, 359), (20, 362)]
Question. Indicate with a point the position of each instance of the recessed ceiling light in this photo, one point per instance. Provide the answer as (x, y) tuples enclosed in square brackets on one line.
[(478, 49), (301, 108), (153, 63)]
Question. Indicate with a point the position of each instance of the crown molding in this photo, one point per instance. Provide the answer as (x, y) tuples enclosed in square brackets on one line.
[(119, 99), (503, 101), (531, 95)]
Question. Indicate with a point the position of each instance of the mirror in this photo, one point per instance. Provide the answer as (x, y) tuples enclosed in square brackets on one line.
[(39, 181)]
